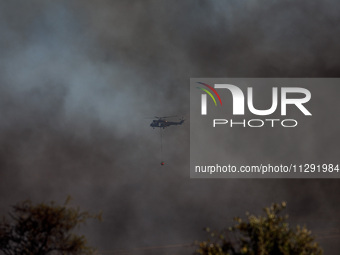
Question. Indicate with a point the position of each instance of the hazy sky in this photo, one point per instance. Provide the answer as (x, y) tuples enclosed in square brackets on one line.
[(79, 79)]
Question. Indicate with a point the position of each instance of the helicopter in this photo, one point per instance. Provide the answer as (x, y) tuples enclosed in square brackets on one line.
[(161, 122)]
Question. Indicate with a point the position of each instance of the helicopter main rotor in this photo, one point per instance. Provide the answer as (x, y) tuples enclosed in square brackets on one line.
[(165, 117)]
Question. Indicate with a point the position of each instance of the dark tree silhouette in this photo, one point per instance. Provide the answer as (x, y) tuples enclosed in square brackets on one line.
[(261, 235), (44, 229)]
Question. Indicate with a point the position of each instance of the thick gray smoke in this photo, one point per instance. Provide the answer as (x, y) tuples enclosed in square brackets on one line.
[(78, 80)]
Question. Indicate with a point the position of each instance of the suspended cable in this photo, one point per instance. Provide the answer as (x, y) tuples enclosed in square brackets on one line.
[(161, 134)]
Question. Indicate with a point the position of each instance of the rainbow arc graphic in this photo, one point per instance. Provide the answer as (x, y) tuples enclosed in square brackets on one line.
[(204, 97), (209, 93)]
